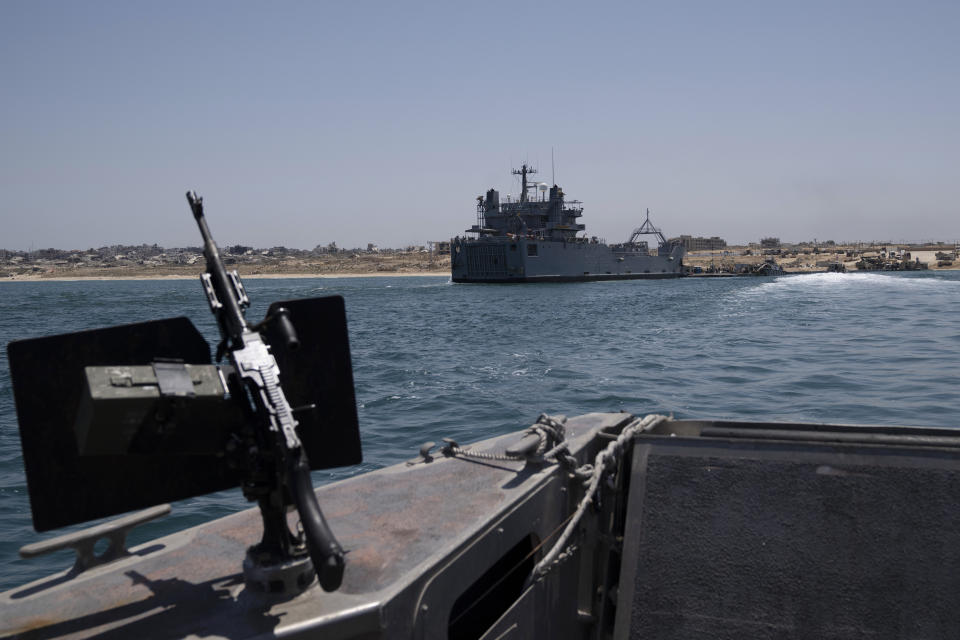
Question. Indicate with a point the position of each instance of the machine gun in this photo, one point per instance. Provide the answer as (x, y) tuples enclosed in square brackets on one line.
[(141, 416), (279, 464)]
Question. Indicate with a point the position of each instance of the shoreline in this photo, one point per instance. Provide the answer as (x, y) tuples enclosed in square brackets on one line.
[(416, 264), (327, 276), (252, 276)]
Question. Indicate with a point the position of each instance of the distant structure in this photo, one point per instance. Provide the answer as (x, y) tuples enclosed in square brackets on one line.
[(330, 248), (439, 246), (769, 243), (700, 244)]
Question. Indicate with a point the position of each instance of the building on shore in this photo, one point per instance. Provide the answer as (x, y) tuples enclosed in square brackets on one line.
[(769, 243), (691, 243), (439, 246)]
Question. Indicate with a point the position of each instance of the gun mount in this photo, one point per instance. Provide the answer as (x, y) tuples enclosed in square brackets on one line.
[(142, 417)]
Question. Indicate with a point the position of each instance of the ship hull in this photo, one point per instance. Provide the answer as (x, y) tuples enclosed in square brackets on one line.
[(527, 260), (560, 278)]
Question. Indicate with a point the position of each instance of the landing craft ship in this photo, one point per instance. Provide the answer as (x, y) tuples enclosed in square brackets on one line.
[(601, 526), (535, 240)]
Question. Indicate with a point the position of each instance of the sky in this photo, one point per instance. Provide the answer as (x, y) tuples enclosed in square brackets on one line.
[(305, 123)]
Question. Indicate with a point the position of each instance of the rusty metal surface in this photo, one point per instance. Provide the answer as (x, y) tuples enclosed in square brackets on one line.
[(399, 525)]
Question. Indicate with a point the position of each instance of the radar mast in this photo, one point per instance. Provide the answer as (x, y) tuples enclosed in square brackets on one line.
[(523, 171)]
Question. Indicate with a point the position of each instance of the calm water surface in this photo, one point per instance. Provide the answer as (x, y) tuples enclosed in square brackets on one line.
[(432, 359)]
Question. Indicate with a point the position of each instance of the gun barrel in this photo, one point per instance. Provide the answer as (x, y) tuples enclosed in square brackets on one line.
[(232, 321)]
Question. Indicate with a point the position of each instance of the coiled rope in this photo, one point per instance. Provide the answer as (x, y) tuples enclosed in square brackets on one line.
[(605, 460), (551, 433)]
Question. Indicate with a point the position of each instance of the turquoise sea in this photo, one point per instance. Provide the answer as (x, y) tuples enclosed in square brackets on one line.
[(434, 359)]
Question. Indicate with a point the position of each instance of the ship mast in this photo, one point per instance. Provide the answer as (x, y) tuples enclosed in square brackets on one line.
[(647, 228), (523, 171)]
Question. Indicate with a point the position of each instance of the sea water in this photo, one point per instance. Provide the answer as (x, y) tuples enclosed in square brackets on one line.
[(434, 359)]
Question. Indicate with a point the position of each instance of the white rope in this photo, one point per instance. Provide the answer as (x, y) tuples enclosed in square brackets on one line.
[(604, 460)]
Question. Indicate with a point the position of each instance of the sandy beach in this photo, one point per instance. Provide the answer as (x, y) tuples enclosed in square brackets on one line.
[(341, 265), (806, 262), (253, 276)]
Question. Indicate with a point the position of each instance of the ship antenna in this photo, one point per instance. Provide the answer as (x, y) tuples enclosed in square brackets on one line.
[(522, 172), (553, 168), (647, 228)]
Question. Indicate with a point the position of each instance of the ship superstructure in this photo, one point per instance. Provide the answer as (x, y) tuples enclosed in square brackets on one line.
[(534, 238)]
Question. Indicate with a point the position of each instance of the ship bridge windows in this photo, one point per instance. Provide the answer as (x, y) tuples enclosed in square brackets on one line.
[(532, 249)]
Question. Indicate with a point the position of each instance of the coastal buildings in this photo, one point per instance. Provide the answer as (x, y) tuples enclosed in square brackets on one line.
[(691, 243)]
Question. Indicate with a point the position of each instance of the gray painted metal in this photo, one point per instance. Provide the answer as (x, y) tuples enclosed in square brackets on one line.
[(83, 542), (708, 529), (536, 241), (417, 536)]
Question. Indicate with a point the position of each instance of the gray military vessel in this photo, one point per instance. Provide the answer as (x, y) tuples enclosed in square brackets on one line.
[(535, 240)]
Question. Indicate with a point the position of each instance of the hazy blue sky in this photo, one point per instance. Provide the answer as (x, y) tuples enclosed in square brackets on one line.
[(355, 122)]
